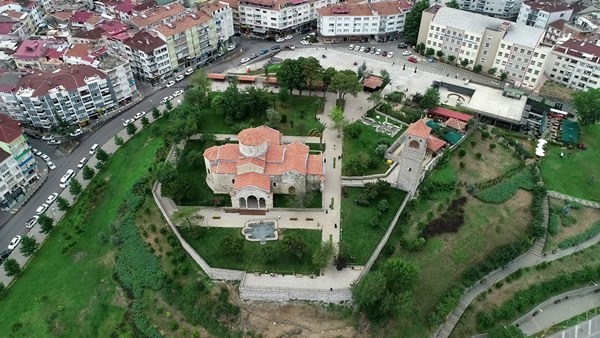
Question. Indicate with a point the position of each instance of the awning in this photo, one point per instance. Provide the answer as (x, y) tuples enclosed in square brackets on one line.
[(215, 76), (259, 30), (246, 78)]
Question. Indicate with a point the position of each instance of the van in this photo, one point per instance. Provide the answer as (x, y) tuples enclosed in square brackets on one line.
[(93, 149), (64, 181)]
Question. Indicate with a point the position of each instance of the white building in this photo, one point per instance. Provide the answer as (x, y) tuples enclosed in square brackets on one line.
[(268, 18), (575, 64), (13, 183), (541, 14), (510, 48), (362, 21), (502, 9), (148, 57), (222, 15)]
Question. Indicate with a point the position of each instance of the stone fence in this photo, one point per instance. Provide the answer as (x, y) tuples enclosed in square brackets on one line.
[(371, 177), (278, 294)]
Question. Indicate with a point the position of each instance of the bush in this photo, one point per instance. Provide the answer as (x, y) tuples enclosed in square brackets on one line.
[(553, 223), (119, 140), (449, 221), (580, 238), (446, 305), (462, 153), (395, 97), (505, 188), (353, 130), (28, 246)]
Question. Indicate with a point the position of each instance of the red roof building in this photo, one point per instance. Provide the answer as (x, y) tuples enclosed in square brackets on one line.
[(10, 130), (447, 113)]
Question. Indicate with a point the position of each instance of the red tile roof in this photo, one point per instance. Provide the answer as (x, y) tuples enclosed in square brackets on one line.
[(7, 27), (455, 124), (315, 165), (69, 77), (435, 144), (9, 129), (3, 155), (125, 7), (145, 41), (215, 76), (81, 16), (444, 112), (259, 135), (252, 179), (373, 82), (419, 129)]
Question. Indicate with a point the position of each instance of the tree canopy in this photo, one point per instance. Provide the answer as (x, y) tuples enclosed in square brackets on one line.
[(413, 21), (339, 120), (431, 98), (345, 82), (452, 4), (587, 104)]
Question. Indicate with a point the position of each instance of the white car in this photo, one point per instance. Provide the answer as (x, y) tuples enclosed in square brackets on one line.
[(76, 133), (289, 37), (357, 48), (32, 221), (189, 71), (128, 121), (351, 47), (170, 84), (45, 157), (54, 142), (82, 162), (51, 165), (279, 40), (378, 52), (304, 42), (362, 49), (177, 93), (406, 53), (179, 78), (390, 55), (244, 60), (36, 152), (48, 137), (41, 209), (230, 48), (14, 242), (167, 98), (139, 115), (51, 198)]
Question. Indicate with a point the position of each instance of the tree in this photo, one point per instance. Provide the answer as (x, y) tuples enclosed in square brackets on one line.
[(451, 58), (155, 112), (339, 120), (145, 122), (131, 129), (88, 172), (439, 54), (28, 246), (200, 80), (452, 4), (492, 71), (168, 105), (294, 245), (464, 62), (319, 104), (75, 187), (64, 128), (328, 77), (318, 132), (477, 69), (429, 52), (119, 140), (312, 72), (345, 82), (505, 331), (587, 104), (375, 97), (102, 155), (47, 223), (503, 76), (283, 96), (270, 252), (290, 75), (369, 293), (62, 204), (11, 267), (232, 246), (431, 98), (273, 118), (323, 255), (412, 22), (420, 48), (400, 275), (386, 77)]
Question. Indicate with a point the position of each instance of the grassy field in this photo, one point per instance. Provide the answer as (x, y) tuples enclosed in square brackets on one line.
[(73, 294), (581, 166), (208, 246), (581, 219), (496, 296), (358, 234), (365, 144), (314, 200), (300, 111)]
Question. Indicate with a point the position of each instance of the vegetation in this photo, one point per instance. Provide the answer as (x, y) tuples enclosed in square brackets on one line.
[(449, 221), (311, 199), (345, 82), (360, 155), (75, 187), (431, 98), (580, 238), (504, 188), (12, 268), (587, 106), (413, 21), (28, 245)]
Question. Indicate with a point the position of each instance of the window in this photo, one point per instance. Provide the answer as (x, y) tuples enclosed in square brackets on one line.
[(485, 52), (518, 59), (487, 45), (539, 64), (536, 72), (502, 45)]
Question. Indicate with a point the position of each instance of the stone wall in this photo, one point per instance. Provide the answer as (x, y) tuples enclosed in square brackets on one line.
[(274, 294)]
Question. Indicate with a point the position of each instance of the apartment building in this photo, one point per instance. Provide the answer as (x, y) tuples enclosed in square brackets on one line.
[(222, 16), (511, 48), (33, 12), (362, 21), (541, 14), (13, 183), (156, 16), (235, 13), (76, 93), (13, 142), (38, 54), (501, 9), (148, 57), (268, 18), (576, 64)]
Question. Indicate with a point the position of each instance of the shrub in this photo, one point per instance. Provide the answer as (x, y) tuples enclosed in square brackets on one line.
[(353, 130), (119, 140), (478, 156), (553, 223), (462, 153), (445, 306), (395, 97), (449, 221), (503, 190), (580, 238)]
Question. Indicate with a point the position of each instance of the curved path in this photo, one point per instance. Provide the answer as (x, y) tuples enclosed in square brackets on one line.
[(531, 258)]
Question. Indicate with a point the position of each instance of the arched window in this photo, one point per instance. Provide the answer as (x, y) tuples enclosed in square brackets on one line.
[(413, 144), (233, 181)]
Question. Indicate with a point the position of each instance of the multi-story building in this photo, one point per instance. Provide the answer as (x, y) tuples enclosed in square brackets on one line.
[(268, 18), (576, 64), (502, 9), (148, 57), (541, 14), (30, 7), (32, 54), (235, 13), (510, 48), (156, 16), (222, 16), (190, 40), (77, 94), (13, 142), (13, 183), (362, 21)]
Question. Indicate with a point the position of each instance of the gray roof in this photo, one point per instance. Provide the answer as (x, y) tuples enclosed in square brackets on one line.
[(477, 23)]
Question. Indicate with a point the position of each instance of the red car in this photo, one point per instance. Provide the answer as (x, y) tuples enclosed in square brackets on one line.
[(412, 59)]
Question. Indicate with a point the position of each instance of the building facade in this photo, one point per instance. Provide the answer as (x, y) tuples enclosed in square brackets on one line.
[(541, 14), (13, 183), (513, 49), (148, 57), (362, 21), (13, 142), (502, 9), (575, 64)]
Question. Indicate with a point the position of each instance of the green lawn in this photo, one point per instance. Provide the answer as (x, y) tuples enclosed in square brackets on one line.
[(313, 200), (73, 294), (576, 174), (358, 234), (300, 111), (208, 246), (364, 146)]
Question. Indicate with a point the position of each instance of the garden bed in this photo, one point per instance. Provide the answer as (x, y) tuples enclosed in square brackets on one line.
[(359, 156)]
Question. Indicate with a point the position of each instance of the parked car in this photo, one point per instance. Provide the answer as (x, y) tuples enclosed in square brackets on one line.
[(367, 50), (304, 42), (14, 242), (402, 45), (36, 152), (76, 133), (32, 221), (351, 47), (406, 53), (276, 47), (170, 84), (41, 209), (412, 59), (128, 121), (230, 48), (189, 71), (279, 40), (139, 115), (4, 255), (51, 198), (378, 51), (357, 48), (431, 60), (51, 165), (166, 98), (244, 60), (179, 78), (82, 162), (289, 37), (264, 51), (48, 137), (54, 142), (390, 55), (384, 53), (177, 93), (362, 49), (45, 157), (253, 56), (291, 47)]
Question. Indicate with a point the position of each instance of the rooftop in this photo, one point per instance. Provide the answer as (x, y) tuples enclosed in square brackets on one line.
[(157, 14), (68, 78), (232, 3), (14, 14), (361, 9), (419, 129), (145, 41), (31, 49), (182, 25), (7, 27), (373, 82), (8, 81), (253, 179), (490, 102), (9, 130), (211, 7), (549, 6), (94, 34), (81, 16), (113, 27), (259, 135), (579, 47), (558, 24), (125, 7)]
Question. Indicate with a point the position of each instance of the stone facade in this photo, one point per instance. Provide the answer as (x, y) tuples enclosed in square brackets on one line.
[(412, 155)]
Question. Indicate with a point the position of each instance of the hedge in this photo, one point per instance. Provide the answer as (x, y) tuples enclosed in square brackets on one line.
[(506, 188), (580, 238)]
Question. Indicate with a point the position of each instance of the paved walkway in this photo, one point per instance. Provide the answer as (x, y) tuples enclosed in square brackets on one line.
[(587, 329), (581, 201)]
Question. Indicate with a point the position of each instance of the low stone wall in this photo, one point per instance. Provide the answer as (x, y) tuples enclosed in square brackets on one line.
[(274, 294), (371, 177)]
